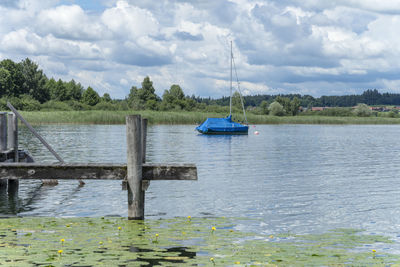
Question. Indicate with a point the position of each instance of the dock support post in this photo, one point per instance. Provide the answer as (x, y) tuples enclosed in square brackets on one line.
[(145, 184), (144, 139), (3, 131), (134, 167), (3, 141), (12, 135)]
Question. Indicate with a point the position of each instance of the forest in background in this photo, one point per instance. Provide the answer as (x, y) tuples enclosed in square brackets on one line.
[(28, 88)]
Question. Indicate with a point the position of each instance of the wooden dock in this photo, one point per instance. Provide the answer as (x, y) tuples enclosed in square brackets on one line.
[(135, 172)]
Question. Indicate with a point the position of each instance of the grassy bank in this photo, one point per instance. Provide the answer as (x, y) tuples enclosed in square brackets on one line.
[(157, 117), (179, 242)]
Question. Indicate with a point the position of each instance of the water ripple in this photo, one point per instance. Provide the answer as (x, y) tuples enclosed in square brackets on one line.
[(300, 178)]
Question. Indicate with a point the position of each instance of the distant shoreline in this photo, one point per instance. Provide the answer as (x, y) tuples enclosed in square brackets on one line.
[(184, 117)]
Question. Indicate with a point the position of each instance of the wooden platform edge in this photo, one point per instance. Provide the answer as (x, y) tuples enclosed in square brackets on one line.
[(98, 171)]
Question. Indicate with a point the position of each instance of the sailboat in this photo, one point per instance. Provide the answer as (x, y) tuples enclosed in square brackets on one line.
[(225, 125)]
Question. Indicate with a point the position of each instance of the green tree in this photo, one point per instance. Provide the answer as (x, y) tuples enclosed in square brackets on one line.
[(148, 91), (294, 106), (152, 104), (5, 81), (264, 107), (90, 97), (106, 97), (236, 101), (285, 102), (14, 69), (371, 97), (276, 109), (134, 99), (50, 86), (34, 81), (138, 98), (74, 90), (190, 104), (58, 90), (167, 101), (176, 92), (174, 98)]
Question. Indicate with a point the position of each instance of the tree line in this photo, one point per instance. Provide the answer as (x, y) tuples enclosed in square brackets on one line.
[(370, 97), (26, 86)]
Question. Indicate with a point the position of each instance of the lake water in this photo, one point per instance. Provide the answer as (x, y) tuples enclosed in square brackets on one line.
[(289, 178)]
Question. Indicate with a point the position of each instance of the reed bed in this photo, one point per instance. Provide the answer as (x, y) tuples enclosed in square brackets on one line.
[(174, 117)]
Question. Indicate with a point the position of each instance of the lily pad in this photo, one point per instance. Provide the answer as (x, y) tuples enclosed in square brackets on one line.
[(117, 241)]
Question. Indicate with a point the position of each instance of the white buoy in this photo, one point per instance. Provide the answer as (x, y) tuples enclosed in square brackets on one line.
[(256, 133)]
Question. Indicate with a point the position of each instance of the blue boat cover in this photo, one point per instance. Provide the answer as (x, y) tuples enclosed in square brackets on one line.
[(222, 126)]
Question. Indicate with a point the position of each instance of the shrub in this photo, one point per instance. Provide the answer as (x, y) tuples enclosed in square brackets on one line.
[(362, 110), (390, 114), (152, 104), (28, 103), (105, 106), (56, 105), (341, 112), (276, 109), (3, 104), (76, 105), (24, 102), (122, 105)]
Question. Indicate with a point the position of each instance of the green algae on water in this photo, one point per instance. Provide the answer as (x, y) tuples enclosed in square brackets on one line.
[(179, 241)]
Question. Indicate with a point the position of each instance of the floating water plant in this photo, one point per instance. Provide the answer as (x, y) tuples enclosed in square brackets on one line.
[(95, 241)]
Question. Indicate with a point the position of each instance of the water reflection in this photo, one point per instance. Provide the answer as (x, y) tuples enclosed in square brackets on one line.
[(182, 254), (12, 204)]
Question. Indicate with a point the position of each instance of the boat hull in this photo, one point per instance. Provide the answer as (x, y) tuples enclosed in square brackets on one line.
[(211, 132)]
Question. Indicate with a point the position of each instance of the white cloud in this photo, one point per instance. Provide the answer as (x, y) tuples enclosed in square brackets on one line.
[(21, 41), (25, 42), (129, 22), (375, 5), (34, 6), (287, 46), (69, 22)]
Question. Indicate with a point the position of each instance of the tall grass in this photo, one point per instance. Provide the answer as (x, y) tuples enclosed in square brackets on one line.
[(183, 117)]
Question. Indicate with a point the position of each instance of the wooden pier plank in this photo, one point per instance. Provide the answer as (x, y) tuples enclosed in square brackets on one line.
[(169, 172), (100, 171)]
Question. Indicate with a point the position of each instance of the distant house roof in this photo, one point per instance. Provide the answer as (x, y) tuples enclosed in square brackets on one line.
[(318, 108)]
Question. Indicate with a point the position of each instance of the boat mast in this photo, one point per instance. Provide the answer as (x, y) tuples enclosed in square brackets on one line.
[(230, 97)]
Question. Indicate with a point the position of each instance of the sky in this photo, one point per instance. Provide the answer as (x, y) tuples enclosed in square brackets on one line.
[(313, 47)]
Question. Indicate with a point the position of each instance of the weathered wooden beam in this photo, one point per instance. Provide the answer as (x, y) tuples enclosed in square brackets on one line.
[(100, 171), (169, 172), (62, 171)]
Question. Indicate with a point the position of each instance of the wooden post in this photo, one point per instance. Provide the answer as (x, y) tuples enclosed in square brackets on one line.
[(145, 183), (144, 139), (3, 141), (134, 167), (12, 135), (3, 131)]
